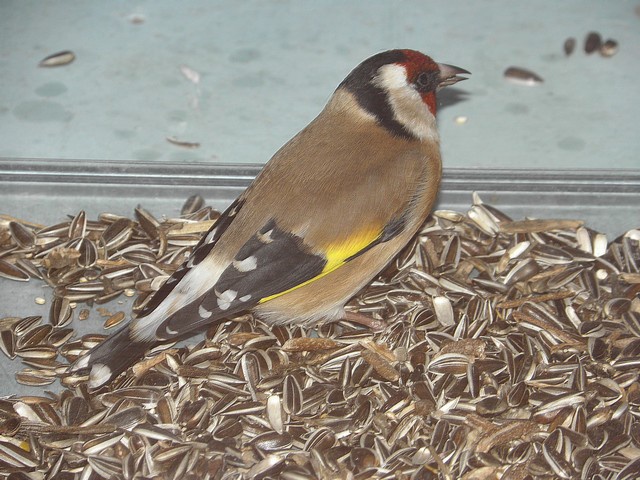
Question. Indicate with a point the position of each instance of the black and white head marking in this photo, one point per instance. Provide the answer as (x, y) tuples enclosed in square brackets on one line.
[(371, 96), (407, 105), (380, 85)]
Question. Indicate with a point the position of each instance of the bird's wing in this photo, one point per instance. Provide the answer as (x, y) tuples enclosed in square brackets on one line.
[(271, 263), (200, 252)]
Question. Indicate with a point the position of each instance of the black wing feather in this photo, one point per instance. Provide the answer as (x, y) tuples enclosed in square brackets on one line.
[(202, 249), (282, 261)]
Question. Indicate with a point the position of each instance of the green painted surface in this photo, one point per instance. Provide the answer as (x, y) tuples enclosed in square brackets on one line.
[(267, 67)]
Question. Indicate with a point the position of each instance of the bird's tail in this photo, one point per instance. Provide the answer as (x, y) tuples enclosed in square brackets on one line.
[(109, 359)]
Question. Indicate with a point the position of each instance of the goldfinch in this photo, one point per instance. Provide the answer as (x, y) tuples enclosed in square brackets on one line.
[(327, 213)]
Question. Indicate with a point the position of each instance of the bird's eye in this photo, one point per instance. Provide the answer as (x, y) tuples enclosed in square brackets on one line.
[(423, 80)]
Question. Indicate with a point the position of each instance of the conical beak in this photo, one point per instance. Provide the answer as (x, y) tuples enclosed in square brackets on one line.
[(448, 75)]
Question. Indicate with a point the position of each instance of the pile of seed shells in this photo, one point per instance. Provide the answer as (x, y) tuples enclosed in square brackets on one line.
[(512, 350)]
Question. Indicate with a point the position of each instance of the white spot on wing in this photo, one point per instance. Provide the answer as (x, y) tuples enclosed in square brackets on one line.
[(265, 237), (245, 298), (100, 374), (203, 312), (234, 210), (210, 235), (170, 331), (228, 295), (225, 298), (246, 265)]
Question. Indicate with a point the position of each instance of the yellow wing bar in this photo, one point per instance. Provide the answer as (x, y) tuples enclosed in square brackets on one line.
[(337, 255)]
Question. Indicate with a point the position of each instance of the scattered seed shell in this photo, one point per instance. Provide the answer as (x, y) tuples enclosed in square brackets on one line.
[(182, 143), (522, 76), (609, 48), (569, 46), (114, 320), (504, 352), (58, 59), (592, 42)]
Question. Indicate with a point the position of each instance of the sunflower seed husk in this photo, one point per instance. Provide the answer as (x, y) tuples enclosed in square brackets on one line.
[(506, 347), (23, 236), (522, 76), (182, 143), (569, 46), (592, 42), (58, 59), (114, 320), (609, 48), (192, 205), (8, 343), (13, 272)]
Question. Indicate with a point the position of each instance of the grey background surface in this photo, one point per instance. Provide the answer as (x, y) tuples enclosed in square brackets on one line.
[(267, 67)]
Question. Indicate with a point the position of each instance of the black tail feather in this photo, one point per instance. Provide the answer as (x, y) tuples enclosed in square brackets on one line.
[(109, 359)]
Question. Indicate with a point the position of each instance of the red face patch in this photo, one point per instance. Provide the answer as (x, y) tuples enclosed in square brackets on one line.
[(417, 63), (430, 100)]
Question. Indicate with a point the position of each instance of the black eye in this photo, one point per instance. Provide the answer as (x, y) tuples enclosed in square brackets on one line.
[(425, 81)]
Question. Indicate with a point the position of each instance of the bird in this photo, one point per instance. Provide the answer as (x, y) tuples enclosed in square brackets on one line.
[(325, 215)]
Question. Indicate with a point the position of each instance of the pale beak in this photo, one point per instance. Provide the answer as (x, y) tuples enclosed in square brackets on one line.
[(448, 75)]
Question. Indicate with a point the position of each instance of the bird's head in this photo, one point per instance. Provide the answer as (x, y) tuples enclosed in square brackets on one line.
[(398, 88)]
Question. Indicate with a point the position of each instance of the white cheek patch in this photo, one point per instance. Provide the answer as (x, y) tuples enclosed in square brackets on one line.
[(391, 77), (408, 108)]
